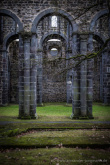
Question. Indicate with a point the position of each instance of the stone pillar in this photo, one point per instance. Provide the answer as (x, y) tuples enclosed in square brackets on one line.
[(76, 93), (90, 65), (27, 76), (33, 74), (106, 70), (69, 78), (21, 77), (101, 78), (82, 83), (39, 78), (3, 69), (106, 77), (83, 76), (75, 83), (3, 78)]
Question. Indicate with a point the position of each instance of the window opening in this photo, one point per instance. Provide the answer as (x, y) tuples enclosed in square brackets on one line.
[(54, 40), (54, 51), (54, 21)]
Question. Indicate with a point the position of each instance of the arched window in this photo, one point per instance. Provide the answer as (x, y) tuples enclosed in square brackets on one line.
[(54, 21), (54, 51)]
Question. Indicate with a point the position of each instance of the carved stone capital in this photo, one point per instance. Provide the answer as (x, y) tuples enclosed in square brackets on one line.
[(26, 34)]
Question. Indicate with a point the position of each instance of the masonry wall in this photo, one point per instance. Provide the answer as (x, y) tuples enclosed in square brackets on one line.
[(27, 11), (54, 87), (13, 72)]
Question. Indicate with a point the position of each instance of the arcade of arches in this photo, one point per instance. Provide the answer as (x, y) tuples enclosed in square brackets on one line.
[(35, 46)]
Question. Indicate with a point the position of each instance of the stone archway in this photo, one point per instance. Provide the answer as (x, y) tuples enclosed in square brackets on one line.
[(55, 11), (54, 83), (4, 41), (56, 32), (104, 35), (96, 17), (6, 12)]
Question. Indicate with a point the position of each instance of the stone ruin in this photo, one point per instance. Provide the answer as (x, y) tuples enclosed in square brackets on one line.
[(37, 39)]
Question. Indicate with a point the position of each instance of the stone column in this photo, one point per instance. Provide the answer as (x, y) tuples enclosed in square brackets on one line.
[(39, 78), (106, 70), (21, 77), (3, 78), (90, 65), (83, 76), (69, 78), (75, 83), (106, 77), (33, 74), (3, 69), (27, 75), (69, 72), (101, 78)]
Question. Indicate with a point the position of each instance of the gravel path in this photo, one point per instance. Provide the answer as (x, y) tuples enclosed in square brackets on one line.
[(58, 122)]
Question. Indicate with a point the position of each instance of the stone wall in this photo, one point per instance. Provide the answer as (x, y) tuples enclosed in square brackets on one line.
[(54, 87), (13, 72), (27, 10), (69, 13)]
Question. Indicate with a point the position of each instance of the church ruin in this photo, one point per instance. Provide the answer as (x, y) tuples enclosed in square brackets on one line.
[(38, 39)]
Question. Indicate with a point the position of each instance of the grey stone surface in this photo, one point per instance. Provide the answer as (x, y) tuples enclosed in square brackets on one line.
[(30, 22)]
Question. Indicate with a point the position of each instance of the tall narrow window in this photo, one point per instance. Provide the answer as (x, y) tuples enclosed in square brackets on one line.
[(54, 21)]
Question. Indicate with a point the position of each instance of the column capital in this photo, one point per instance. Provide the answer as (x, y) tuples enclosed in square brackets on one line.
[(82, 33), (85, 35), (27, 34)]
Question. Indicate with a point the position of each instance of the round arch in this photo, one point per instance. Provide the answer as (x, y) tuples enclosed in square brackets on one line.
[(55, 11), (6, 12), (9, 38), (96, 17), (49, 34), (100, 37)]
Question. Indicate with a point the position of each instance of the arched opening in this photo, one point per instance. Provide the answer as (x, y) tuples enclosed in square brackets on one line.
[(54, 36), (54, 22), (10, 25), (98, 70), (54, 51), (54, 81), (100, 27), (13, 71), (11, 44)]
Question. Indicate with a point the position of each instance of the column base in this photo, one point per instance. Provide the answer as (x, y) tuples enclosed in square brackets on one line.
[(27, 117), (4, 105), (39, 104), (81, 117), (68, 104), (90, 117)]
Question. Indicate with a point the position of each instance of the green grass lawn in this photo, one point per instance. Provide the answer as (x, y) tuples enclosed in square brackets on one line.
[(55, 112), (24, 142), (55, 156)]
